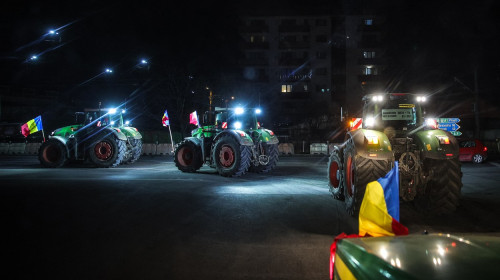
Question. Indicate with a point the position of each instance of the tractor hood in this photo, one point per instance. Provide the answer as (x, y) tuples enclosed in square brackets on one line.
[(433, 256)]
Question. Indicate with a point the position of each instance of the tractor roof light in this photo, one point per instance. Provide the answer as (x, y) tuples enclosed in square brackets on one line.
[(239, 110), (421, 99), (377, 98), (127, 123), (112, 111), (258, 111), (237, 125)]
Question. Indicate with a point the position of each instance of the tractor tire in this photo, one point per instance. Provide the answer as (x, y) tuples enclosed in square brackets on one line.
[(52, 154), (107, 152), (231, 159), (358, 172), (336, 182), (442, 194), (271, 150), (136, 151), (187, 157)]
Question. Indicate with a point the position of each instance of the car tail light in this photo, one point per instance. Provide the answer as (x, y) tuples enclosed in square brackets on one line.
[(485, 149)]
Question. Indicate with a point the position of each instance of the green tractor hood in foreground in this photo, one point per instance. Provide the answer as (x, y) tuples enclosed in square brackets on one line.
[(434, 256)]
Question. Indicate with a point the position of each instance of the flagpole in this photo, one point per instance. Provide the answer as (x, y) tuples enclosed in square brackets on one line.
[(171, 139), (43, 134)]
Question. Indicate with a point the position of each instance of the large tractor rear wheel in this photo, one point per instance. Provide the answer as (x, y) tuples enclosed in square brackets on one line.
[(358, 172), (336, 175), (187, 157), (52, 154), (107, 152), (272, 153), (442, 194), (231, 159)]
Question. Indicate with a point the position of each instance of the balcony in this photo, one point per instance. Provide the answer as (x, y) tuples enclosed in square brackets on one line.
[(294, 45), (291, 61), (254, 29), (254, 62), (255, 46), (294, 28)]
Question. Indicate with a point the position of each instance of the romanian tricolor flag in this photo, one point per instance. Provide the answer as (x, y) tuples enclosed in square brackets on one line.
[(193, 118), (32, 126), (164, 120), (379, 212)]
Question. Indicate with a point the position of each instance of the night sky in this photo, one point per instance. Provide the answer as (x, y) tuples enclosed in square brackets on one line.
[(431, 42)]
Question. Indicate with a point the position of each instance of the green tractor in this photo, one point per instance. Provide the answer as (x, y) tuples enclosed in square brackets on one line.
[(100, 136), (394, 128), (230, 140)]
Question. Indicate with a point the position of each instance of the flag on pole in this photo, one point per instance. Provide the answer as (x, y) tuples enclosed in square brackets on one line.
[(164, 120), (193, 118), (379, 211), (32, 126), (378, 214)]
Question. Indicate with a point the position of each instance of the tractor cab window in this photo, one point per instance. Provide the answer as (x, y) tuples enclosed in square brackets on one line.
[(394, 113)]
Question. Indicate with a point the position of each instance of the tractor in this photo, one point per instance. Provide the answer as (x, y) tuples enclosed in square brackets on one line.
[(230, 140), (100, 136), (394, 129)]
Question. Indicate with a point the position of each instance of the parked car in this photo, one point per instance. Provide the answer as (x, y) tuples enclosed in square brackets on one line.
[(472, 150)]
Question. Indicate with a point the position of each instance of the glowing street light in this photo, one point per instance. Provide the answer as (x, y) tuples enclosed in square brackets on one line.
[(144, 62)]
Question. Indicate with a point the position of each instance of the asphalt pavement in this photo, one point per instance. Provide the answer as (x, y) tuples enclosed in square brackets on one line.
[(150, 221)]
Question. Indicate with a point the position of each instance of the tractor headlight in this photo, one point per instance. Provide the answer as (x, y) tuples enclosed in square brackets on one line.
[(258, 111), (431, 122), (377, 98), (371, 139), (369, 122), (443, 140), (237, 125), (112, 111), (127, 123), (239, 111), (112, 122)]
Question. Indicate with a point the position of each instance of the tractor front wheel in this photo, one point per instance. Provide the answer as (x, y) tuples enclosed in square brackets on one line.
[(230, 158), (187, 157), (107, 152), (358, 172), (52, 154), (336, 175)]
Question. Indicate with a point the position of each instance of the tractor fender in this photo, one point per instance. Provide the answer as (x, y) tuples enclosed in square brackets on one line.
[(267, 136), (64, 141), (131, 132), (242, 137), (380, 151), (110, 131), (195, 140), (428, 144)]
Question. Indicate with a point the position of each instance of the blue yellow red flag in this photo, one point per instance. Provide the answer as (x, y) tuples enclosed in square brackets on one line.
[(164, 120), (379, 211), (32, 126)]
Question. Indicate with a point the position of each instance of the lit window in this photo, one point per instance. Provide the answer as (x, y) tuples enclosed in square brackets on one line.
[(252, 39), (286, 88), (263, 38), (368, 21), (369, 54), (370, 70), (305, 88)]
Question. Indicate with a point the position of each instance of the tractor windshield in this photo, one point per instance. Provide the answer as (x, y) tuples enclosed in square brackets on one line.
[(400, 114)]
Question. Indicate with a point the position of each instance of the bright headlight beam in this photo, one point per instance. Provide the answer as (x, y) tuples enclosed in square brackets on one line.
[(237, 125), (258, 111), (112, 111), (239, 111)]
